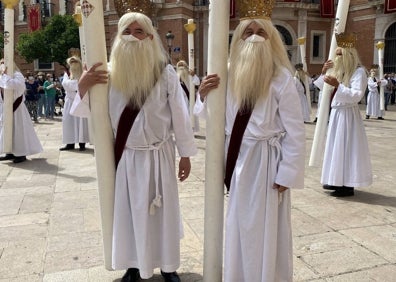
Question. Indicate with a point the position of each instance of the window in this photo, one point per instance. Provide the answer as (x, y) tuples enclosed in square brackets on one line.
[(318, 44), (43, 66)]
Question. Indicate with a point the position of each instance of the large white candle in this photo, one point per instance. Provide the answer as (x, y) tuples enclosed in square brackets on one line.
[(78, 19), (380, 46), (8, 113), (301, 43), (323, 117), (190, 28), (215, 138), (95, 51)]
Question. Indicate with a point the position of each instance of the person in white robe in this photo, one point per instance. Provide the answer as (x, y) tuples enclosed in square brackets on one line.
[(301, 79), (24, 140), (74, 129), (373, 108), (187, 78), (346, 162), (147, 222), (258, 237)]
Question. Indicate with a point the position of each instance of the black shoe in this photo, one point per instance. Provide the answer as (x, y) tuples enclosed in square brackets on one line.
[(19, 159), (329, 187), (315, 120), (170, 276), (132, 275), (343, 192), (82, 146), (381, 118), (367, 116), (7, 157), (67, 147)]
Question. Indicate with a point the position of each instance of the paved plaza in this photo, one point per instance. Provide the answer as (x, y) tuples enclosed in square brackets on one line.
[(50, 223)]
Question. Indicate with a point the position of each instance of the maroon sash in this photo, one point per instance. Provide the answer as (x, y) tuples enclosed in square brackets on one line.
[(183, 85), (16, 103), (240, 124), (332, 97), (125, 124)]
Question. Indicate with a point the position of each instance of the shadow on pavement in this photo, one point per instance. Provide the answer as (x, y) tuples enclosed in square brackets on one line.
[(41, 166), (371, 199)]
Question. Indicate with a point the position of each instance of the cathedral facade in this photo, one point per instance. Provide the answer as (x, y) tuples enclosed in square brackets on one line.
[(371, 20)]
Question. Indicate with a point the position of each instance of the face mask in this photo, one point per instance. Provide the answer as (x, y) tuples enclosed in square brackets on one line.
[(31, 78), (129, 38), (50, 79), (255, 38)]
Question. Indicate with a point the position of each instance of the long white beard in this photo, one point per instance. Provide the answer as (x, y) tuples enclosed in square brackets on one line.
[(132, 70), (251, 72), (183, 74), (338, 68), (75, 71)]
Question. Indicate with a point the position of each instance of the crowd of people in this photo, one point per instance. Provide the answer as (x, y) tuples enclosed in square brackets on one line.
[(150, 119)]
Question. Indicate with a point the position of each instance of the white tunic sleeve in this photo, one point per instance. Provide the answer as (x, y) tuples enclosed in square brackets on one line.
[(16, 83), (200, 107), (319, 82), (292, 165), (354, 92), (195, 80), (180, 118)]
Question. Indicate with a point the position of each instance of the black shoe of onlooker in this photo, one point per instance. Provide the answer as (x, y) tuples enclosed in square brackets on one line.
[(82, 146), (19, 159), (329, 187), (7, 157), (343, 192), (170, 276), (132, 275), (381, 118), (367, 116), (67, 147)]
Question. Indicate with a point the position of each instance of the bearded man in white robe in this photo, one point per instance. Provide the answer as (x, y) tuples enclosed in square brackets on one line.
[(24, 140), (346, 162), (373, 97), (301, 80), (187, 78), (147, 222), (270, 162), (74, 129)]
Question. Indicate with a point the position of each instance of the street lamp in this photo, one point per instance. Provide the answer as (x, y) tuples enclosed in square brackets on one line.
[(169, 41)]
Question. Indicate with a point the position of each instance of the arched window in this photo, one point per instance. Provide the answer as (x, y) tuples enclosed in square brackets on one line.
[(286, 38), (390, 49)]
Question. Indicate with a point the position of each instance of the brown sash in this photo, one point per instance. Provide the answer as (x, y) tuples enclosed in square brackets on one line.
[(125, 124), (240, 124), (16, 103)]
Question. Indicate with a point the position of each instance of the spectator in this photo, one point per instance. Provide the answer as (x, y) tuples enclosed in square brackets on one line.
[(32, 96), (50, 95)]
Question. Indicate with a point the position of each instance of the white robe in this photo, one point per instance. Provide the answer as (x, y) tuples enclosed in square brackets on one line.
[(25, 141), (373, 98), (347, 159), (146, 172), (195, 81), (258, 238), (74, 129), (303, 100)]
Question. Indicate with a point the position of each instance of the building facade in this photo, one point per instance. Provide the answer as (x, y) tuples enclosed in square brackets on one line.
[(293, 18)]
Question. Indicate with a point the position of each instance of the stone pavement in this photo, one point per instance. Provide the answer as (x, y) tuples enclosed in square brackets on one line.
[(50, 224)]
